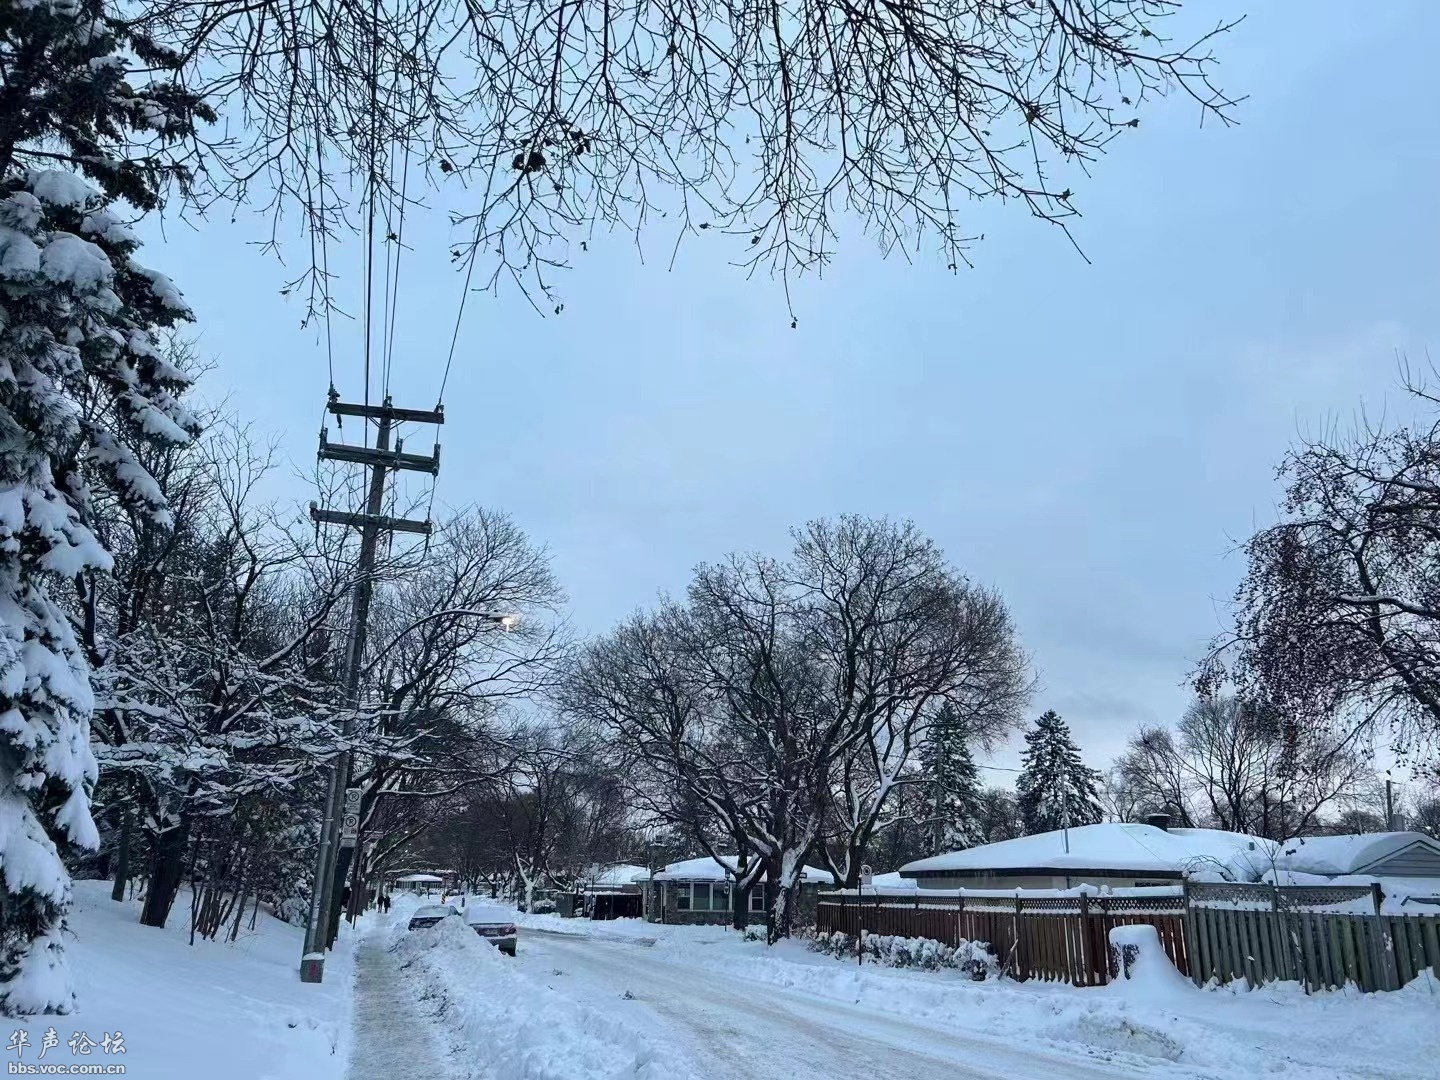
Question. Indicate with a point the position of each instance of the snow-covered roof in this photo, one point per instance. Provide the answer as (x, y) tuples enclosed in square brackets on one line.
[(1404, 896), (707, 869), (612, 877), (1112, 846), (1353, 854), (419, 877)]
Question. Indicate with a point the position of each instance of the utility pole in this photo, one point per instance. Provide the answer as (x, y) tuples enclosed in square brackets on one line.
[(336, 843)]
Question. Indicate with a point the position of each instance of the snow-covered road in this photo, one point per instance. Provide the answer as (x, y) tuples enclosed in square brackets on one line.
[(730, 1028)]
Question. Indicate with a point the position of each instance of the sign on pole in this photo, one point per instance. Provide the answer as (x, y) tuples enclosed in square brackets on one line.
[(350, 820), (866, 874)]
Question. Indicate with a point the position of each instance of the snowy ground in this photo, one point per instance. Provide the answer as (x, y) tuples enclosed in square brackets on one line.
[(630, 999), (602, 1001), (214, 1010)]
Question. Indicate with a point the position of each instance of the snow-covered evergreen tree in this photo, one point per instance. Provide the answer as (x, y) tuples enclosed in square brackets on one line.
[(1055, 790), (952, 785), (80, 381)]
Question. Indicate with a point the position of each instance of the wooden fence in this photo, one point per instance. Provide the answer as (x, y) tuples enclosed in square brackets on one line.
[(1323, 936)]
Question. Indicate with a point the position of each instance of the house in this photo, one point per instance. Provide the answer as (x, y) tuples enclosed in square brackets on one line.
[(418, 883), (1117, 854), (699, 891), (1404, 864), (611, 892)]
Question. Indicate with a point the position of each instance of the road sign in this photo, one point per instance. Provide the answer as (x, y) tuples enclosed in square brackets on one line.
[(866, 874), (350, 820)]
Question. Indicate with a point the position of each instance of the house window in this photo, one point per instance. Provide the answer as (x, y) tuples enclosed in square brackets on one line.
[(757, 899), (682, 896), (720, 897)]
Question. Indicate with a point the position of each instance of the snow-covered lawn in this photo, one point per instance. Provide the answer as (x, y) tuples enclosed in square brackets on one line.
[(1158, 1027), (212, 1010)]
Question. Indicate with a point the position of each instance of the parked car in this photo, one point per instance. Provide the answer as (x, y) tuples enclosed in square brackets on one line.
[(494, 924), (429, 915)]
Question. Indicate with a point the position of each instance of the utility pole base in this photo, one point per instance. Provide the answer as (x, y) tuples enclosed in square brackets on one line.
[(312, 967)]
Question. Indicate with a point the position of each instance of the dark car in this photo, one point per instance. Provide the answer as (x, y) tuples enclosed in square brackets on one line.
[(430, 915), (494, 924)]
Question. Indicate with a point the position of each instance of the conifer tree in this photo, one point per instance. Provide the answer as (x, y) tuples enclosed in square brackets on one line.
[(81, 382), (1055, 790), (953, 802)]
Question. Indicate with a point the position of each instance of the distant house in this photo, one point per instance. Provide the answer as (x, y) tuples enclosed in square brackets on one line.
[(418, 883), (1405, 864), (699, 891), (611, 892), (1117, 854)]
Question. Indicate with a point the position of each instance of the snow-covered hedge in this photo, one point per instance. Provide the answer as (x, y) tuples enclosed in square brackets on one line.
[(972, 957)]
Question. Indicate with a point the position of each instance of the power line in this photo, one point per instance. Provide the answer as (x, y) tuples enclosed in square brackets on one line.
[(460, 314), (324, 229)]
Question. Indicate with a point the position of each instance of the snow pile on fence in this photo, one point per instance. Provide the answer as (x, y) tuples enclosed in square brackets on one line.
[(1142, 967), (526, 1030), (972, 957)]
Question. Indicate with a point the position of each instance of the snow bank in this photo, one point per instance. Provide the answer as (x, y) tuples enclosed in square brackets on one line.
[(218, 1010), (516, 1028)]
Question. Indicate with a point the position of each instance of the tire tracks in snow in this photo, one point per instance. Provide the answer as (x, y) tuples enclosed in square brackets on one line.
[(755, 1031)]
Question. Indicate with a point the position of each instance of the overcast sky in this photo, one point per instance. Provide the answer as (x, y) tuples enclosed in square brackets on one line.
[(1093, 440)]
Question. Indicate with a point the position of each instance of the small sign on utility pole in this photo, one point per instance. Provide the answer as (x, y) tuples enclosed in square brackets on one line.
[(866, 874), (350, 820)]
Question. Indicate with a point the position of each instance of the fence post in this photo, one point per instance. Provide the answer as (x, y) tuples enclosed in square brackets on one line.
[(1015, 948), (1087, 942), (1389, 974), (1192, 936)]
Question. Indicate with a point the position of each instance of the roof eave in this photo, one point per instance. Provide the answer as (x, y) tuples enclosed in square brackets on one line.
[(1043, 871)]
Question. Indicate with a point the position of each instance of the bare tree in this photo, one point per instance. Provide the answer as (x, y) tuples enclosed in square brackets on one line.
[(772, 123), (786, 697), (1239, 767), (1000, 819), (1336, 620), (459, 640), (898, 635)]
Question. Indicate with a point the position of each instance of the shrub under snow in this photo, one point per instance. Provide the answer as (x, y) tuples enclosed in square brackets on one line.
[(972, 957)]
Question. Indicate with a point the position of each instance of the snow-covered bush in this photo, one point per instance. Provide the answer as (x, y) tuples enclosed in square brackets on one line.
[(293, 909), (543, 907), (972, 957)]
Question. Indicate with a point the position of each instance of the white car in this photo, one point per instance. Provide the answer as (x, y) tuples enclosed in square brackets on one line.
[(424, 917), (494, 924)]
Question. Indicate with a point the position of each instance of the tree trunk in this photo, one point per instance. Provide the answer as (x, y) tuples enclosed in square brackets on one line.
[(239, 912), (337, 895), (357, 890), (122, 856), (740, 908), (167, 869)]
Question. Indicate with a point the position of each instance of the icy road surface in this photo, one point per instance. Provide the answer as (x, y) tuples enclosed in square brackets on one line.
[(738, 1030)]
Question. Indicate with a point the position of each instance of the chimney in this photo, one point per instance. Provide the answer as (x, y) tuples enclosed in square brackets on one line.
[(1160, 821)]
